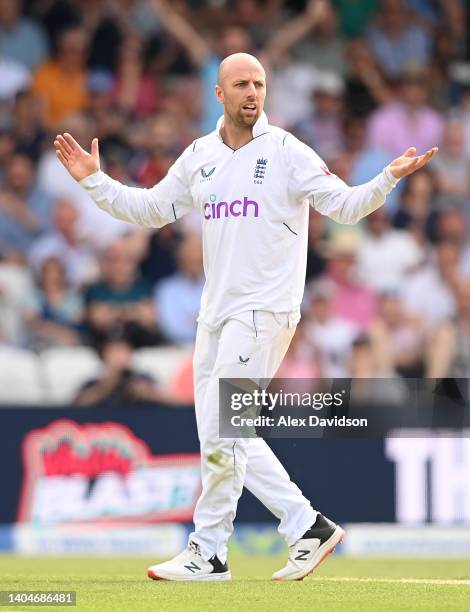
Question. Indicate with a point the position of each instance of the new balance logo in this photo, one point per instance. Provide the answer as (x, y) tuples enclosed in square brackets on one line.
[(244, 361), (302, 556), (207, 174), (192, 567)]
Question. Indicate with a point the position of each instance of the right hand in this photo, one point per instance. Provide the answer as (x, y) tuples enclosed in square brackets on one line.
[(76, 160), (318, 11)]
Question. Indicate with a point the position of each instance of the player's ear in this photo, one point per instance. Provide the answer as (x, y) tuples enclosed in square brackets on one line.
[(219, 94)]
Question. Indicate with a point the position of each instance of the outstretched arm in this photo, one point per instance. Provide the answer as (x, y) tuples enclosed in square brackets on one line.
[(407, 163), (310, 179), (169, 200), (296, 29), (180, 28)]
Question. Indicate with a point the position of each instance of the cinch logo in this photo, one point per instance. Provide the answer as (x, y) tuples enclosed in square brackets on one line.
[(237, 208)]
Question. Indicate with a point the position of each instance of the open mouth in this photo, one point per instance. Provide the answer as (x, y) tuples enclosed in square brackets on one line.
[(249, 107)]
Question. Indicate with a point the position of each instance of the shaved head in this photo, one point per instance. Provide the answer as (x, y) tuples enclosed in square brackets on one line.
[(236, 62), (241, 89)]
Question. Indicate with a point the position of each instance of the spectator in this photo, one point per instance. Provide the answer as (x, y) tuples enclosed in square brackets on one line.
[(429, 291), (406, 119), (21, 39), (60, 83), (16, 281), (329, 335), (14, 77), (177, 298), (323, 46), (30, 134), (137, 91), (386, 254), (461, 113), (121, 301), (364, 363), (416, 213), (161, 147), (352, 299), (119, 384), (354, 16), (302, 360), (398, 44), (452, 169), (25, 210), (366, 87), (364, 367), (322, 128), (7, 147), (366, 162), (299, 76), (399, 339), (452, 226), (449, 354), (101, 108), (54, 311), (65, 243)]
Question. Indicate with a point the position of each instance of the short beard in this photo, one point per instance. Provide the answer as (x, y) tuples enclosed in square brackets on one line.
[(241, 122)]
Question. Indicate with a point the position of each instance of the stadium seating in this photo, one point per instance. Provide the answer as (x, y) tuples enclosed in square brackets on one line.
[(161, 363), (20, 377), (65, 370)]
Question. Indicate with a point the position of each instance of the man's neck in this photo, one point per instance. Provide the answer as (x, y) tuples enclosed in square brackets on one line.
[(234, 136)]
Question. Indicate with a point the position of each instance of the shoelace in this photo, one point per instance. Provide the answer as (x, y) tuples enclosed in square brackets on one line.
[(195, 548)]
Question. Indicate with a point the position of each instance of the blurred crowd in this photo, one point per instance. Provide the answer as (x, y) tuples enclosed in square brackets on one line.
[(358, 80)]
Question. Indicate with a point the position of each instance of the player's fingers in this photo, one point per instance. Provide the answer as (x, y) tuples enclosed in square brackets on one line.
[(409, 152), (62, 151), (426, 157), (61, 157), (71, 141), (94, 148), (64, 146)]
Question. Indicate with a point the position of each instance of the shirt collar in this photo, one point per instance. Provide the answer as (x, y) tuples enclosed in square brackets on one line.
[(260, 127)]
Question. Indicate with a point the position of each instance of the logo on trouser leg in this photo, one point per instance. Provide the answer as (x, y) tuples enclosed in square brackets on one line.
[(244, 361)]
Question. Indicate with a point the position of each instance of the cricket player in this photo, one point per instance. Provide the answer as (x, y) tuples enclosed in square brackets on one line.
[(252, 184)]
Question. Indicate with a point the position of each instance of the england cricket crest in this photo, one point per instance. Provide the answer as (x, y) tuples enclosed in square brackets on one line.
[(260, 170)]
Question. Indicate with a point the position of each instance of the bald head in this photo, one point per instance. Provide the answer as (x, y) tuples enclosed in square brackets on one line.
[(236, 63), (241, 89)]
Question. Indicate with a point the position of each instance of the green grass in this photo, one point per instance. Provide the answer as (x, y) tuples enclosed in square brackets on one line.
[(120, 583)]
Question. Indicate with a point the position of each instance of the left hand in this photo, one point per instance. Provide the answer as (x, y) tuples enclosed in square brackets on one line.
[(407, 163)]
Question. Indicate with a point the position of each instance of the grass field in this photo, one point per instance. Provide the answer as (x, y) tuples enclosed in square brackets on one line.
[(341, 584)]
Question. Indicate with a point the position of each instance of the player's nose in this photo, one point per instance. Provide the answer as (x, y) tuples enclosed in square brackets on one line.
[(251, 90)]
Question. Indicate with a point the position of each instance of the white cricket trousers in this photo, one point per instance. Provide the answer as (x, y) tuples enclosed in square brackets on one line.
[(261, 339)]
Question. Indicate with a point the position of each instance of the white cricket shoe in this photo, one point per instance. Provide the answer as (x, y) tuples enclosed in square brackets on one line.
[(190, 566), (312, 548)]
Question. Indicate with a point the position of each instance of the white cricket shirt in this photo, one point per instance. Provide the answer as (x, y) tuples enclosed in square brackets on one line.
[(253, 203)]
